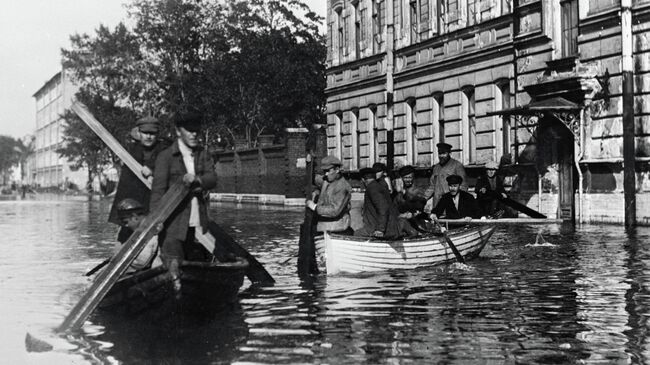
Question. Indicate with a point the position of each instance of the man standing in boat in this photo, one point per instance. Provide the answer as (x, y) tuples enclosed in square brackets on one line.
[(145, 150), (456, 203), (334, 196), (445, 167), (187, 161)]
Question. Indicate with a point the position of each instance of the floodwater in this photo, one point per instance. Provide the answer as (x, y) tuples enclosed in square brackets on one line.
[(581, 299)]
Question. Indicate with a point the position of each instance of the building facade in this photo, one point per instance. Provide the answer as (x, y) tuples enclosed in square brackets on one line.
[(536, 85), (47, 168)]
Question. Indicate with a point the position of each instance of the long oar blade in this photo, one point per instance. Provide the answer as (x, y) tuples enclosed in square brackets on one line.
[(118, 265)]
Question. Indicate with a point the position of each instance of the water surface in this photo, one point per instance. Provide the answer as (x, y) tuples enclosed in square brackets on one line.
[(583, 299)]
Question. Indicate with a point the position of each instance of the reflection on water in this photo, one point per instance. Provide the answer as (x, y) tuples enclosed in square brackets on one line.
[(582, 299)]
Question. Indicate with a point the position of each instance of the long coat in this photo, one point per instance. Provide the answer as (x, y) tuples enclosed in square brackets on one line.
[(379, 212), (466, 206), (438, 182), (171, 169)]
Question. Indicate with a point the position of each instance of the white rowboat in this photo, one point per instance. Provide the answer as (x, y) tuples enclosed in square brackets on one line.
[(340, 253)]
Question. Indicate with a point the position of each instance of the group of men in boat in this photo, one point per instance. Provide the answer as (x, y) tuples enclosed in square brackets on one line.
[(186, 161), (395, 207)]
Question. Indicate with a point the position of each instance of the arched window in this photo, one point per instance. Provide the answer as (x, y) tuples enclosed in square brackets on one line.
[(469, 125), (340, 32), (339, 135), (501, 102), (355, 133), (373, 144)]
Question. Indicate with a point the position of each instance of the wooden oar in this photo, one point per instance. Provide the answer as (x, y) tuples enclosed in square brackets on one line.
[(503, 221), (256, 272), (518, 206), (451, 245), (96, 268), (306, 246), (121, 261)]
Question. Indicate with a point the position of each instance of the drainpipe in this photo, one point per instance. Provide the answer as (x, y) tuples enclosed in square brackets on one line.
[(578, 157), (629, 173), (390, 62)]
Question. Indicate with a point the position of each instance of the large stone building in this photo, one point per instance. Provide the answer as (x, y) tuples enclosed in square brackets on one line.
[(536, 85), (48, 168)]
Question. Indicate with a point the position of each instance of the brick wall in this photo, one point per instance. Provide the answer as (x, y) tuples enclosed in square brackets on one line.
[(276, 169)]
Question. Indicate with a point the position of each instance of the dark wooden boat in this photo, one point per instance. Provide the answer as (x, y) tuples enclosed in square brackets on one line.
[(206, 287)]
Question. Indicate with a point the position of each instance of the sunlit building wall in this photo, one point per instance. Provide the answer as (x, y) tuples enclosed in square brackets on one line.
[(48, 168), (535, 85)]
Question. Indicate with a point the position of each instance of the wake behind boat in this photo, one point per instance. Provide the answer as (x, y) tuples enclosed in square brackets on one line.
[(349, 254)]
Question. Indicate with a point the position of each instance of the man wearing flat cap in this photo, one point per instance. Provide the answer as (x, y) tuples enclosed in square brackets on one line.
[(489, 189), (145, 150), (456, 203), (408, 198), (445, 167), (334, 196), (188, 162), (380, 216)]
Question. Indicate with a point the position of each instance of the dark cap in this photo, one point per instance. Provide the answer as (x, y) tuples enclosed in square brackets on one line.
[(189, 121), (454, 179), (379, 166), (405, 170), (127, 206), (329, 161), (367, 172), (445, 147), (148, 125)]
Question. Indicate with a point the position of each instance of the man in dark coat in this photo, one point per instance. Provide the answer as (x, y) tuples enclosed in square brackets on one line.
[(145, 151), (489, 188), (456, 203), (379, 213), (184, 161), (409, 198)]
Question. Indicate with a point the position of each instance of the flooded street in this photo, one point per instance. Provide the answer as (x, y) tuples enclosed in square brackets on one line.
[(584, 298)]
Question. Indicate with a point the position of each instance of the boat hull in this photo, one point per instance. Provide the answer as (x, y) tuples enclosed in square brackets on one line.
[(340, 253), (205, 288)]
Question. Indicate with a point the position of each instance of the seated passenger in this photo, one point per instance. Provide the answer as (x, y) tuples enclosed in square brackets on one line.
[(408, 198), (489, 188), (456, 203), (131, 214), (379, 214)]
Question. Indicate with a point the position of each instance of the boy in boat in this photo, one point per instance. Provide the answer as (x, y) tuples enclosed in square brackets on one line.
[(144, 150), (333, 207), (456, 203), (188, 162), (131, 213), (445, 167)]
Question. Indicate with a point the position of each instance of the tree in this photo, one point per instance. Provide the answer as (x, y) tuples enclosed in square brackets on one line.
[(9, 156)]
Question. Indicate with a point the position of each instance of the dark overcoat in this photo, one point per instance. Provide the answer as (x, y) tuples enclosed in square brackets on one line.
[(171, 169), (467, 206), (379, 212), (411, 200), (129, 185)]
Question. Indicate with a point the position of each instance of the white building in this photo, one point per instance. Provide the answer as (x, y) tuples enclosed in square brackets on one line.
[(48, 169)]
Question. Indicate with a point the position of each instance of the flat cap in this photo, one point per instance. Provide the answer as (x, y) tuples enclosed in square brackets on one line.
[(379, 166), (128, 205), (442, 146), (405, 170), (328, 162), (367, 172), (454, 179), (148, 124)]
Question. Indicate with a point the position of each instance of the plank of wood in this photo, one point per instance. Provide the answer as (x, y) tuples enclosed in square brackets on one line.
[(121, 261), (503, 221), (106, 136), (306, 246)]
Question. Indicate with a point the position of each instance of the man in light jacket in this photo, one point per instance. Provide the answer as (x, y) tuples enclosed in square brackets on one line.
[(333, 207)]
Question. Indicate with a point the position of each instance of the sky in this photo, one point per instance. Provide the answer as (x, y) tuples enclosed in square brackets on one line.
[(32, 33)]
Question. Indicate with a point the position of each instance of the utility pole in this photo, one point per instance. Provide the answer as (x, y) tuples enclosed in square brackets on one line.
[(627, 64), (390, 64)]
